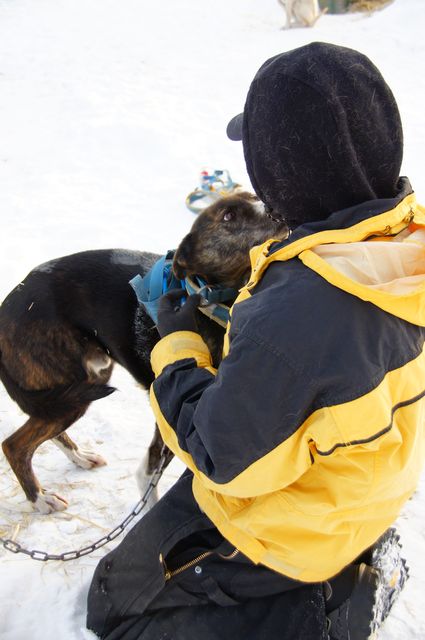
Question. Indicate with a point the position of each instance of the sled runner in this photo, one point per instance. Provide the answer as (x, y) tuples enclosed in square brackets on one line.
[(213, 185)]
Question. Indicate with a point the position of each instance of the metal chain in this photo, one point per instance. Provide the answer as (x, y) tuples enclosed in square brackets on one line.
[(15, 547)]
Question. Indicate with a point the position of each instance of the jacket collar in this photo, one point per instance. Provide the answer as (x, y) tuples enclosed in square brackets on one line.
[(374, 218), (348, 217)]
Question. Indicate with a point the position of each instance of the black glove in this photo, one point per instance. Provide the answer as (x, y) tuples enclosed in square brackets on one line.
[(176, 314)]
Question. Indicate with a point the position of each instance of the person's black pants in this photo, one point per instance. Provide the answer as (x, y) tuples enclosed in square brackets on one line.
[(220, 596)]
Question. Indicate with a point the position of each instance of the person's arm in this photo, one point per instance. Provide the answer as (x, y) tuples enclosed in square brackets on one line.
[(237, 431)]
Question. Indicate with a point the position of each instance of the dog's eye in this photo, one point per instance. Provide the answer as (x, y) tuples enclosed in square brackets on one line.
[(228, 215)]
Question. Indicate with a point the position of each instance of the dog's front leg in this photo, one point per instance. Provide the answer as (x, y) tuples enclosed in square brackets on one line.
[(288, 7)]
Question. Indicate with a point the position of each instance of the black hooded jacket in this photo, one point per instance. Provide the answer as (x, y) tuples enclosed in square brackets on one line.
[(324, 352), (307, 440)]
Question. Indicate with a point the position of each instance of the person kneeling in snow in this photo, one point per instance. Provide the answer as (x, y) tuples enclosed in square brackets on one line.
[(307, 441)]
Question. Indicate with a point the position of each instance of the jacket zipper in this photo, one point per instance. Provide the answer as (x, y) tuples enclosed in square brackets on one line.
[(168, 574)]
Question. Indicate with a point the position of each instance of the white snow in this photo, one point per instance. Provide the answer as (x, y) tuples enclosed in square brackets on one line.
[(108, 111)]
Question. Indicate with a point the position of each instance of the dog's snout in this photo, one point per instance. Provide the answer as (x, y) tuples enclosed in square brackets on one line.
[(181, 260), (179, 267)]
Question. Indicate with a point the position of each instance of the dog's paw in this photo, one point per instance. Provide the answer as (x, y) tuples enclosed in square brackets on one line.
[(81, 457), (87, 459), (48, 502)]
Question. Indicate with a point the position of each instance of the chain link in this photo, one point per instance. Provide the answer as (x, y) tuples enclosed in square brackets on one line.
[(43, 556)]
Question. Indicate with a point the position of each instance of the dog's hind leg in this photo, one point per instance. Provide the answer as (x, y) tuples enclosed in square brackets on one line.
[(81, 457), (19, 449), (98, 366), (319, 14)]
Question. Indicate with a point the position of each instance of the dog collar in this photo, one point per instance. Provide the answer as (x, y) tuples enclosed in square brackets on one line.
[(160, 279)]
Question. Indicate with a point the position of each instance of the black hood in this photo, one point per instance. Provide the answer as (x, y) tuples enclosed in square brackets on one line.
[(321, 131)]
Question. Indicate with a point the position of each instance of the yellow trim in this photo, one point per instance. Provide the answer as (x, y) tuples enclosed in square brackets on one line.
[(252, 481), (383, 225), (387, 223), (409, 306), (326, 427), (319, 548), (179, 346)]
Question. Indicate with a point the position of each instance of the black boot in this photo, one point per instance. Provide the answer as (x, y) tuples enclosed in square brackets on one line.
[(376, 588)]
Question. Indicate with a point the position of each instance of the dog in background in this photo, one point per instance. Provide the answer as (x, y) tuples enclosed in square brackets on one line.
[(303, 13), (63, 327)]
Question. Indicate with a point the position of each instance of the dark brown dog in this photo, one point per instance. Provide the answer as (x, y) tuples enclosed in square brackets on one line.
[(64, 326), (61, 329)]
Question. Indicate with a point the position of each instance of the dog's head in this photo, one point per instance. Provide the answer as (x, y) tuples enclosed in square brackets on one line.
[(217, 247)]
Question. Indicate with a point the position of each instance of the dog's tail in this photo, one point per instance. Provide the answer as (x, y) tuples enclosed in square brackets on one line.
[(50, 404)]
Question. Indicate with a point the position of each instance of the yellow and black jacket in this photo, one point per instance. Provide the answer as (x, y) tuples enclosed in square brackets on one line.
[(309, 438)]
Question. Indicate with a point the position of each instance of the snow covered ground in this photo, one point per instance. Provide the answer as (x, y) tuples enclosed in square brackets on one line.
[(108, 111)]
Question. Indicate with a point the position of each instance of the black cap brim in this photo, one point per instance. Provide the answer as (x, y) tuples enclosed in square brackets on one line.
[(234, 128)]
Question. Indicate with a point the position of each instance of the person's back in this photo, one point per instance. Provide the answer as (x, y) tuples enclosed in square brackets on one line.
[(317, 429), (333, 410)]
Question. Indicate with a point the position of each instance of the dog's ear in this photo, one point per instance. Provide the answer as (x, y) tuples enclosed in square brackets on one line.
[(181, 260)]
